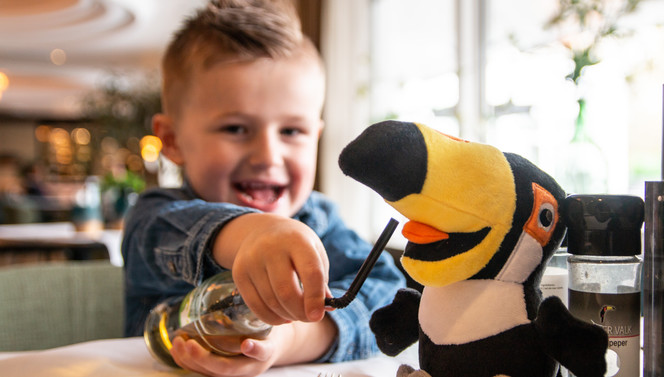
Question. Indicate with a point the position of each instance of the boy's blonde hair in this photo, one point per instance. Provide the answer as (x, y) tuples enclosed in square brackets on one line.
[(230, 30)]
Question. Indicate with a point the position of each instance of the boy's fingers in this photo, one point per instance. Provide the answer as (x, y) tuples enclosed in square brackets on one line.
[(314, 284), (184, 354), (287, 291), (178, 351), (192, 356), (256, 302)]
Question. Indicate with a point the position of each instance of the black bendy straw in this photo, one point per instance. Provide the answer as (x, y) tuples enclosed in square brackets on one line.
[(363, 273)]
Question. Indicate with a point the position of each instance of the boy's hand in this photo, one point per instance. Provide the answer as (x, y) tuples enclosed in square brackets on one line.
[(287, 344), (280, 267), (257, 357)]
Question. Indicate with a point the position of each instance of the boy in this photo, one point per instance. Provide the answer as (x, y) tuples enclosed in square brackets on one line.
[(242, 94)]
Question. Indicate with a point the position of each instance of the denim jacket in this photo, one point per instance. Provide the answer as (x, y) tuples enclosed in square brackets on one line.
[(166, 251)]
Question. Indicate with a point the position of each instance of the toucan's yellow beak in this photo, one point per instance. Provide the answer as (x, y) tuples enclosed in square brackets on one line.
[(454, 200), (459, 196)]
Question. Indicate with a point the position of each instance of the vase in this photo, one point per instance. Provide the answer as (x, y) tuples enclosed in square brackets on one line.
[(584, 167)]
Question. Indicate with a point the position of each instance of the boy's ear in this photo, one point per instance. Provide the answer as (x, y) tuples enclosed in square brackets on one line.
[(163, 128)]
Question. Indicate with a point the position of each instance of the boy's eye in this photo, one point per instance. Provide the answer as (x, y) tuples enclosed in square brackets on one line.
[(291, 131), (234, 129)]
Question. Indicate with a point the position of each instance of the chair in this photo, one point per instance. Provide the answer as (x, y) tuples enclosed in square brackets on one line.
[(54, 304)]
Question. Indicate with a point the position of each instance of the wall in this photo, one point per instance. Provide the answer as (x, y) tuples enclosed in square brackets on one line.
[(16, 138)]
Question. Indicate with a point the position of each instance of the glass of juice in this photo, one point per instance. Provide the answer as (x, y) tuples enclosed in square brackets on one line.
[(213, 314)]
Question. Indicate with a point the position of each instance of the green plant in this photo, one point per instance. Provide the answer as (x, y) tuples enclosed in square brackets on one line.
[(120, 115), (124, 111), (126, 182), (584, 24)]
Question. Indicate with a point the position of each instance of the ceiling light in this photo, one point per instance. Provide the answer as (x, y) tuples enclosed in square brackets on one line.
[(4, 82), (58, 56)]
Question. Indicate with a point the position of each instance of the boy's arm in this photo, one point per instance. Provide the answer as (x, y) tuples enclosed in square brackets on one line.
[(308, 341), (235, 232), (279, 266), (166, 248)]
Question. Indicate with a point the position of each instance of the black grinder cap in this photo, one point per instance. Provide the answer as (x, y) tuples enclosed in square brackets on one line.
[(604, 225)]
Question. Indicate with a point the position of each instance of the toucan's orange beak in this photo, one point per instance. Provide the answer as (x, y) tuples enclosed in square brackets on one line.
[(420, 233)]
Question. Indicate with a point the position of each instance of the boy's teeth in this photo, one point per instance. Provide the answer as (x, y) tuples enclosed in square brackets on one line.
[(260, 192)]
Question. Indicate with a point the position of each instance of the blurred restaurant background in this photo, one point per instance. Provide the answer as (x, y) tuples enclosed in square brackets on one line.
[(78, 85), (574, 86)]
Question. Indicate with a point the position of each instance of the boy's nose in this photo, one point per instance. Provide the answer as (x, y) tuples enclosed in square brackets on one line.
[(266, 151)]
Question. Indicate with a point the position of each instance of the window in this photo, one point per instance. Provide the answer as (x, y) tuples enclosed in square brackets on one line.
[(494, 71)]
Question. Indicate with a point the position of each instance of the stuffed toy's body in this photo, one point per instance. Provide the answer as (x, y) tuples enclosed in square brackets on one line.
[(482, 225)]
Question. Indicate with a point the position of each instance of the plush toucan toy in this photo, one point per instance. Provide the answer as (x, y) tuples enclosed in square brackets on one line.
[(482, 226)]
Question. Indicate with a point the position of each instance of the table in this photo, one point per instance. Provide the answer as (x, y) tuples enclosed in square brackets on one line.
[(130, 357), (58, 236)]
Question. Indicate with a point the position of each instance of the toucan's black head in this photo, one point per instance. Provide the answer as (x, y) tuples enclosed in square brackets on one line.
[(469, 205), (382, 156)]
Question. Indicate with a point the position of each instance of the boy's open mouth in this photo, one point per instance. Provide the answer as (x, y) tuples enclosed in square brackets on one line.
[(258, 194)]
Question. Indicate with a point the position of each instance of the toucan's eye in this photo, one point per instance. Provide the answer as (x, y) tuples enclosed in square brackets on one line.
[(545, 217)]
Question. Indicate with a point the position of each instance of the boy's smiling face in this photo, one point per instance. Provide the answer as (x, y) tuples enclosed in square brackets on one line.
[(247, 133)]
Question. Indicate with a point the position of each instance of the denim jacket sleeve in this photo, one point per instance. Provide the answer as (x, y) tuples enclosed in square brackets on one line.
[(346, 253), (166, 248)]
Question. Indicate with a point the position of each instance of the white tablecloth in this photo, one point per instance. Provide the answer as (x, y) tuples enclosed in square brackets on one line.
[(130, 357)]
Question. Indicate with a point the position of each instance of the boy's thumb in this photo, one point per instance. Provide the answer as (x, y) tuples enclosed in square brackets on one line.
[(255, 349)]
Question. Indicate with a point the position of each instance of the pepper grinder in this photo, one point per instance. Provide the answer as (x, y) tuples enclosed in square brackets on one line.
[(604, 240)]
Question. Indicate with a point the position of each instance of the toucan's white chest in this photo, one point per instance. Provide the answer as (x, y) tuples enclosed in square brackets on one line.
[(471, 310)]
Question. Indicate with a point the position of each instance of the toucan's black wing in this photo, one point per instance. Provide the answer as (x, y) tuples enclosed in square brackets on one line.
[(579, 346), (396, 326)]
